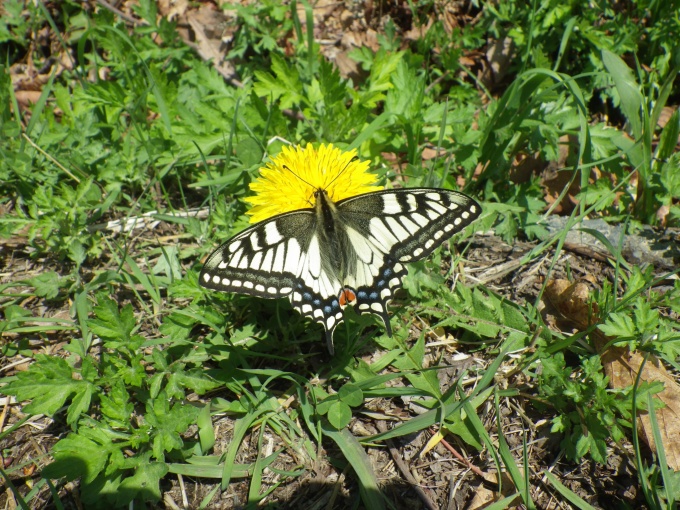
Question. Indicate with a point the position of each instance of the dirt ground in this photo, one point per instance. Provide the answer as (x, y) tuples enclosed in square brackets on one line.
[(452, 475)]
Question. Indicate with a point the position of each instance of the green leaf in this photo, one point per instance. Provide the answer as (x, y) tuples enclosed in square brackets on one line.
[(618, 325), (628, 89), (362, 465), (49, 382), (646, 319), (116, 406), (143, 484), (46, 284), (13, 316), (206, 432), (339, 414), (351, 395), (572, 498), (111, 324), (249, 152), (168, 423), (80, 403), (194, 379), (669, 137), (76, 456), (384, 65), (284, 84)]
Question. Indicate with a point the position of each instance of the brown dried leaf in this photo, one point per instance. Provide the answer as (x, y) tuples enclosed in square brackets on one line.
[(572, 300), (485, 496), (622, 367)]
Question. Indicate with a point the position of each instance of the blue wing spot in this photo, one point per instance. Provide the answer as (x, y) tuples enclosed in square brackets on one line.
[(307, 296), (335, 304), (373, 296), (327, 310), (317, 302), (362, 295), (381, 283), (387, 272)]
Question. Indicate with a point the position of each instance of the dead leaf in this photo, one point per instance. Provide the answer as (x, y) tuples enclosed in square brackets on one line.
[(500, 56), (206, 23), (666, 114), (572, 301), (429, 153), (484, 497), (622, 367)]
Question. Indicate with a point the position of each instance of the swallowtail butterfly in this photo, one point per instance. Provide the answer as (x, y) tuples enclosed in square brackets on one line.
[(335, 254)]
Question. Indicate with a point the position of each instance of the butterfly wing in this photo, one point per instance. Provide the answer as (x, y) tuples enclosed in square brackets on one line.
[(264, 260), (391, 227), (278, 257)]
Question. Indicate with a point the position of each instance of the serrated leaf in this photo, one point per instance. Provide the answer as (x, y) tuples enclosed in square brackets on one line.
[(284, 84), (384, 65), (76, 456), (102, 491), (49, 383), (80, 403), (618, 325), (168, 423), (513, 318), (13, 315), (144, 484), (46, 284), (464, 428), (155, 384), (177, 326), (110, 323), (194, 379), (159, 360), (116, 405), (646, 319)]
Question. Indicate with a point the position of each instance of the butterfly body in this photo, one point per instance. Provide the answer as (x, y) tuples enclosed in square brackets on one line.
[(334, 254)]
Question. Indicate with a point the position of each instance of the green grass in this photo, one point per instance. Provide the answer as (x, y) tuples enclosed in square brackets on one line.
[(142, 364)]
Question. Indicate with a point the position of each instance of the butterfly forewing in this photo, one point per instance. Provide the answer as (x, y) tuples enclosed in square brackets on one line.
[(263, 260), (409, 224), (360, 262)]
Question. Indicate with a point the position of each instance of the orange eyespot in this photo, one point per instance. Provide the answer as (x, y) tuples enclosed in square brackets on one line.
[(346, 297)]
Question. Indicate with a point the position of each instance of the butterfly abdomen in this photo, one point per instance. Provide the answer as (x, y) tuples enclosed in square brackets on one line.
[(337, 252)]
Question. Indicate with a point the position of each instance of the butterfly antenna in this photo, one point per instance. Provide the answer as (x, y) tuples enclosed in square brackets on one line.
[(296, 175), (306, 182), (341, 171)]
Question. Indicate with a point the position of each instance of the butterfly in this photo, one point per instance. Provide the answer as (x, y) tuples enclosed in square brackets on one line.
[(334, 254)]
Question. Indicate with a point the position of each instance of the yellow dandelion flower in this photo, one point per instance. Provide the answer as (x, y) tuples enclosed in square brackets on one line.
[(289, 181)]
